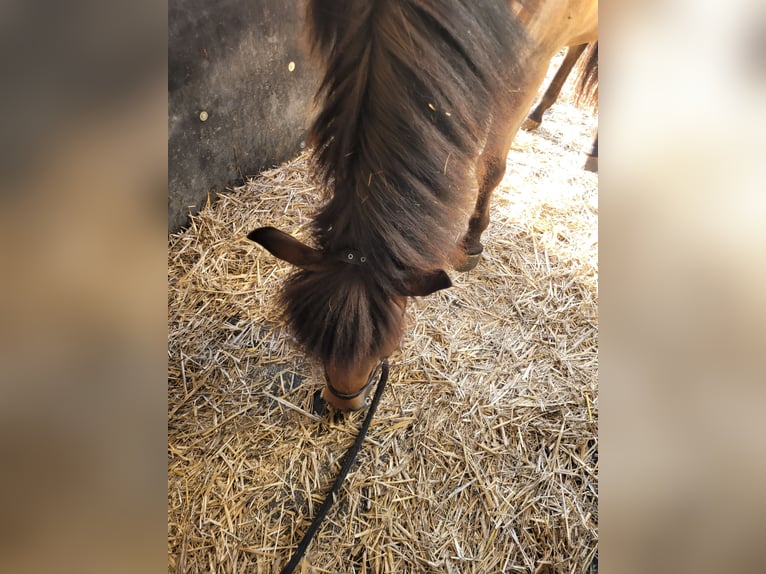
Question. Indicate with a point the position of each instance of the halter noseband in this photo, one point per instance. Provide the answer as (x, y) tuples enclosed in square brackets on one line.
[(349, 396)]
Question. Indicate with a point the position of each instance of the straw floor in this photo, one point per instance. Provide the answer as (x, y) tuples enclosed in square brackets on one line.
[(483, 454)]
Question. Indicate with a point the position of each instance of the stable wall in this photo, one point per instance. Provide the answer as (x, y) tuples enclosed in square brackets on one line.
[(242, 66)]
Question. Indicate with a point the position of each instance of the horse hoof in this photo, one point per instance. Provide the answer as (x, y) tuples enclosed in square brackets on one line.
[(467, 262), (530, 125), (591, 164)]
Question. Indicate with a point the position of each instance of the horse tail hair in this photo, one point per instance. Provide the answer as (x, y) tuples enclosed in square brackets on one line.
[(404, 107), (586, 91)]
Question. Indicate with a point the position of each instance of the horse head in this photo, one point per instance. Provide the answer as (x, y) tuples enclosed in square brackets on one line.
[(343, 311)]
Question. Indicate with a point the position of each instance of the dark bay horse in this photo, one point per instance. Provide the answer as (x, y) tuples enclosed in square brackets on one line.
[(418, 98)]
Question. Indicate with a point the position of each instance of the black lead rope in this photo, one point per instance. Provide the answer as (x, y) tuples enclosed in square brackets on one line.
[(348, 461)]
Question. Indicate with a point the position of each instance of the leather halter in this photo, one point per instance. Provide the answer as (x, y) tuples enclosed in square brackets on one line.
[(349, 396)]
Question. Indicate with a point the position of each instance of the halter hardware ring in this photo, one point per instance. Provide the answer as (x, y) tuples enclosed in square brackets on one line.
[(352, 257)]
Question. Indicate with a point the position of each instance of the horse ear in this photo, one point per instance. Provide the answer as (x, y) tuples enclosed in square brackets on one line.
[(287, 248), (427, 283)]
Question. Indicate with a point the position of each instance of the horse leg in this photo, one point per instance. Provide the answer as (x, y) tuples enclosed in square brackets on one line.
[(490, 167), (534, 119), (591, 160), (490, 170)]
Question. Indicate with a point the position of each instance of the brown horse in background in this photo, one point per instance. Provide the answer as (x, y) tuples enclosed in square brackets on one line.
[(417, 97), (535, 117), (586, 91)]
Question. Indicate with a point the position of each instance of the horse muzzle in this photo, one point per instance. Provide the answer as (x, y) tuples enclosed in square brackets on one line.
[(353, 400)]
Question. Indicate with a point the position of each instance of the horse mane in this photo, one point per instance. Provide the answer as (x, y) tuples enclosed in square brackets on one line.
[(404, 108), (587, 78)]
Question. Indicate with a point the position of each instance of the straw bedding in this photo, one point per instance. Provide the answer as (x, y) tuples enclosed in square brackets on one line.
[(483, 454)]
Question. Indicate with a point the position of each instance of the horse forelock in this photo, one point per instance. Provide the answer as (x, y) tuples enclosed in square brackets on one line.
[(341, 314)]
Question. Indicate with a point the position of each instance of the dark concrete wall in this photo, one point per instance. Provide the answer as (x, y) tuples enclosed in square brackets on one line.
[(231, 59)]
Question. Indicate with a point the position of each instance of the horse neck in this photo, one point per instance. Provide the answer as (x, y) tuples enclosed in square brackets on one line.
[(405, 103)]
